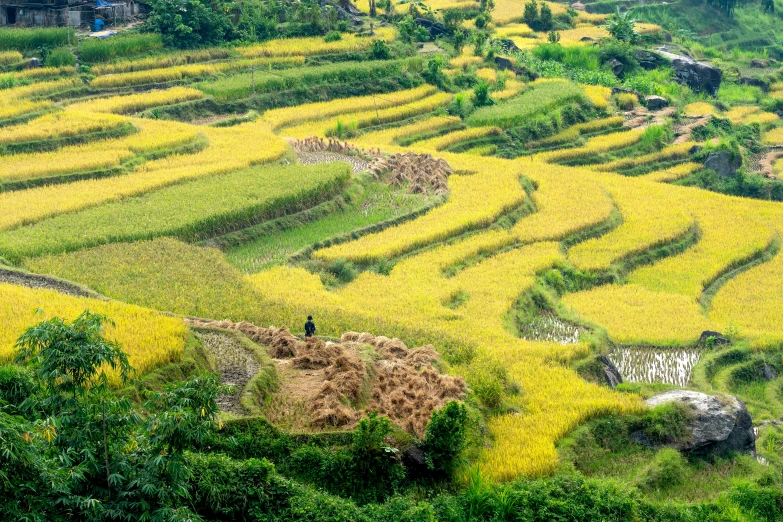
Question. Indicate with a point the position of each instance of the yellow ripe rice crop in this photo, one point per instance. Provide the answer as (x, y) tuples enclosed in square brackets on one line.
[(519, 29), (19, 107), (574, 131), (746, 114), (44, 72), (671, 152), (633, 314), (699, 109), (149, 338), (60, 124), (156, 62), (370, 117), (9, 57), (153, 135), (574, 36), (641, 228), (596, 145), (452, 138), (465, 60), (138, 102), (751, 303), (507, 11), (182, 72), (79, 158), (644, 28), (316, 45), (773, 137), (512, 88), (386, 137), (673, 173), (723, 244), (778, 165), (230, 149), (776, 90), (598, 94), (474, 200), (278, 118), (41, 88), (567, 201), (487, 74)]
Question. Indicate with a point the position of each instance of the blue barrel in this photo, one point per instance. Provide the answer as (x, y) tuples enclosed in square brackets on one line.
[(97, 25)]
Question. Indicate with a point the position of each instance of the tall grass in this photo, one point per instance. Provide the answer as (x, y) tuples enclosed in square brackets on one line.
[(103, 50), (26, 39), (538, 98), (575, 57), (241, 85), (197, 209)]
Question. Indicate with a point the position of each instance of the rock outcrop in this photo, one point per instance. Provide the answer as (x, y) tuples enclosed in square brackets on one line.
[(611, 373), (649, 59), (699, 76), (724, 163), (655, 103), (719, 424)]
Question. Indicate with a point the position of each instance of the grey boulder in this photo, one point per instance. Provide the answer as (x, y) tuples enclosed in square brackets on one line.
[(719, 424), (655, 103), (649, 59), (610, 372), (724, 163), (699, 76)]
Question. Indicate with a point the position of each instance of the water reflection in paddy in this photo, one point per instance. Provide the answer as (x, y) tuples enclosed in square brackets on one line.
[(651, 364)]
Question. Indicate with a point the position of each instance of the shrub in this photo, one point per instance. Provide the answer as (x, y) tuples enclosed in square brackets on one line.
[(16, 385), (343, 270), (446, 437), (481, 96), (333, 36), (379, 50), (60, 57), (666, 470), (222, 488)]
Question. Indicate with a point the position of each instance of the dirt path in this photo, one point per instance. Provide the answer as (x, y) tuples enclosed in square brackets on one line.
[(40, 281), (236, 366)]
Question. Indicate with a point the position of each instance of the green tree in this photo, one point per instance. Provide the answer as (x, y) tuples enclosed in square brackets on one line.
[(530, 16), (545, 20), (622, 27)]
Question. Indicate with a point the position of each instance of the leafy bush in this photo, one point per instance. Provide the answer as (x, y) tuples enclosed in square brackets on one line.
[(481, 96), (16, 385), (379, 51), (446, 437), (222, 487), (333, 36), (620, 51), (667, 470), (60, 57), (343, 270)]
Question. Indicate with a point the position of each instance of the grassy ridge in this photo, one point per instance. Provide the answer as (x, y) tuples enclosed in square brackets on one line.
[(538, 98), (241, 85), (193, 210)]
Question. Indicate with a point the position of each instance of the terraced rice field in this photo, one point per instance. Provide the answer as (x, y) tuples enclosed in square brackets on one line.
[(446, 270)]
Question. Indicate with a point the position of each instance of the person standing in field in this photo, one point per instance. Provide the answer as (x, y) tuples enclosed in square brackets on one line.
[(309, 327)]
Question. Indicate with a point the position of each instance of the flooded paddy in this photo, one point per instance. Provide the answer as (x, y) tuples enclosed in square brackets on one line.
[(550, 328), (655, 364)]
